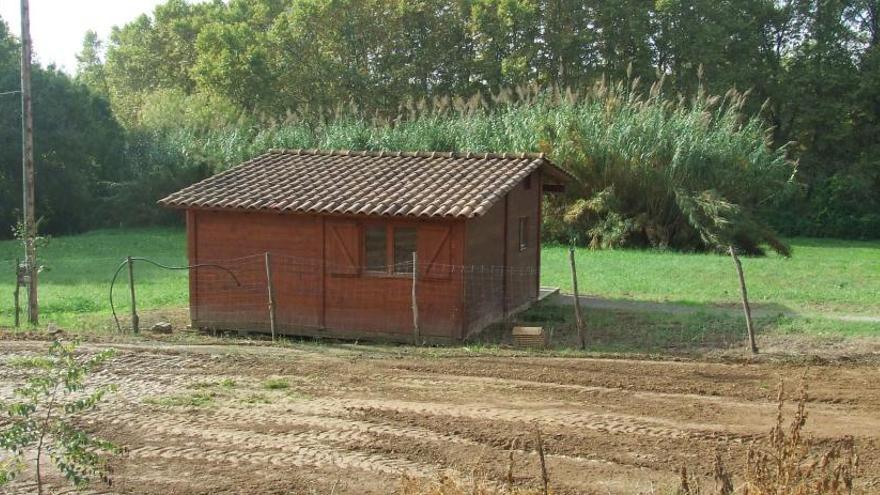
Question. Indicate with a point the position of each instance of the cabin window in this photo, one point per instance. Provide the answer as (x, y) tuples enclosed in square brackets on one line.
[(375, 249), (404, 247), (388, 250), (523, 232)]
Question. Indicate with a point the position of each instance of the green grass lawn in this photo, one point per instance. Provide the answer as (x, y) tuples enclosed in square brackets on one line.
[(823, 276), (75, 282)]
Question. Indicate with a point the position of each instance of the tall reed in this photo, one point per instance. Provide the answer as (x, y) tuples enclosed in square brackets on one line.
[(652, 169)]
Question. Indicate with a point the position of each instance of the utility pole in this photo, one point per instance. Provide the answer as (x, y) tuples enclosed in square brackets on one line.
[(27, 131)]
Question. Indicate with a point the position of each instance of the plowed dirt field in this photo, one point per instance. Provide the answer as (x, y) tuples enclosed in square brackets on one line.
[(335, 419)]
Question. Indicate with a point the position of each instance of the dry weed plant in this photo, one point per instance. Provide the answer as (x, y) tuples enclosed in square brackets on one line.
[(787, 463), (480, 483)]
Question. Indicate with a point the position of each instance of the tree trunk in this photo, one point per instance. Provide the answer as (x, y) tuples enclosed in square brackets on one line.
[(579, 319), (745, 300)]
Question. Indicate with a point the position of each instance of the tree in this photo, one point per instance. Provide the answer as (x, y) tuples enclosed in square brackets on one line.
[(43, 417), (811, 68), (78, 144), (505, 36), (10, 131), (155, 52), (233, 62), (624, 43), (89, 66)]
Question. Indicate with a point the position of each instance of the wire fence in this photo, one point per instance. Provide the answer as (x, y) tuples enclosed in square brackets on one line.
[(74, 291), (286, 295), (314, 297)]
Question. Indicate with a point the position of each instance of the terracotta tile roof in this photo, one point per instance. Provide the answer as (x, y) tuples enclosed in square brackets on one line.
[(401, 184)]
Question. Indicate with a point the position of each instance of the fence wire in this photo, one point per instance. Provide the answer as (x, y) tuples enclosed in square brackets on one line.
[(315, 297)]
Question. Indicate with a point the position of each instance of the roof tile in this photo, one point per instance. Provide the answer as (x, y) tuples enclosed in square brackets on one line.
[(401, 184)]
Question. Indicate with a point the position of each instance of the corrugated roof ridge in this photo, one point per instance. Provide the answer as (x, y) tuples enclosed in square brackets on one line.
[(470, 155)]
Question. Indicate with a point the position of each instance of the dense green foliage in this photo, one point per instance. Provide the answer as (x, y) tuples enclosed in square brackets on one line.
[(77, 145), (657, 174), (648, 161), (198, 87)]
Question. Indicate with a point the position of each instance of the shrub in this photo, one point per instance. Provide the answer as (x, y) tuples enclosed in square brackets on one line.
[(660, 173), (787, 463), (43, 418)]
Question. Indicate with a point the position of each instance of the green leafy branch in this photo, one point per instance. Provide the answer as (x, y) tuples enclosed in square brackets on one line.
[(42, 418)]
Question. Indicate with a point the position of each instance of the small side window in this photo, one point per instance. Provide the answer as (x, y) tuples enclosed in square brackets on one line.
[(404, 247), (523, 233), (375, 249)]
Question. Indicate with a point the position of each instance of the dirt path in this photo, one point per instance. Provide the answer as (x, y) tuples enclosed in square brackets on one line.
[(200, 420)]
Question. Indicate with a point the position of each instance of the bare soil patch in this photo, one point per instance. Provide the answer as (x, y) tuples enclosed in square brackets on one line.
[(201, 419)]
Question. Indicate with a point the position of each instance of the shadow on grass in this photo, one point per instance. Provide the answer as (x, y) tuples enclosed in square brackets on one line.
[(625, 331), (759, 309), (672, 333)]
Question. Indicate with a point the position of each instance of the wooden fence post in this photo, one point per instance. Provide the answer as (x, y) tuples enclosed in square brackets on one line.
[(135, 321), (579, 319), (17, 292), (745, 300), (271, 294), (417, 337)]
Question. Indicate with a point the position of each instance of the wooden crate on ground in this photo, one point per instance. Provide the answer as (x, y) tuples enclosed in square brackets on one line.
[(529, 337)]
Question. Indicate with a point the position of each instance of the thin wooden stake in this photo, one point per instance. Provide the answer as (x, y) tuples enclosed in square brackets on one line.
[(16, 293), (579, 319), (745, 300), (417, 337), (545, 476), (135, 321), (271, 295)]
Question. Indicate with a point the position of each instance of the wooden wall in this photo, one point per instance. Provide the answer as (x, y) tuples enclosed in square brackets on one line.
[(321, 288), (493, 241), (314, 297), (225, 238), (523, 278), (484, 252)]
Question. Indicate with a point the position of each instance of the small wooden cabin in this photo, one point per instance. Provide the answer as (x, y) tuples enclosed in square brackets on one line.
[(341, 228)]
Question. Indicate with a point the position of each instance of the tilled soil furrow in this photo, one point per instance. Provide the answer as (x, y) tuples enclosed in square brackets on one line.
[(219, 444), (606, 423), (345, 413), (671, 409)]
